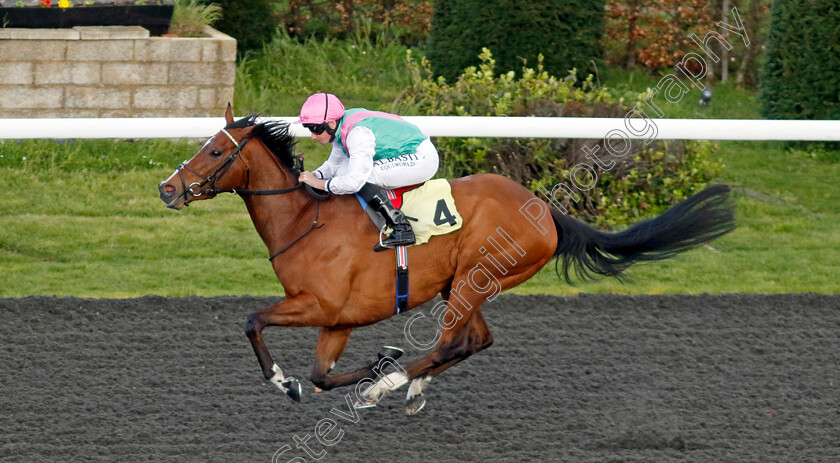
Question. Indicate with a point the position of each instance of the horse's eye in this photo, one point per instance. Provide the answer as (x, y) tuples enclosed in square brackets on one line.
[(215, 153)]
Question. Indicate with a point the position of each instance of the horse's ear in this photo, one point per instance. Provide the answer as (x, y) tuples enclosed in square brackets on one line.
[(229, 114)]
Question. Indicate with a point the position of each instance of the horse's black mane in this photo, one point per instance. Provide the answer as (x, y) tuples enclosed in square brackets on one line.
[(274, 135)]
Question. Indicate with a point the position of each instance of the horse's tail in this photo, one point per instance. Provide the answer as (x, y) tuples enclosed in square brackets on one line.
[(692, 222)]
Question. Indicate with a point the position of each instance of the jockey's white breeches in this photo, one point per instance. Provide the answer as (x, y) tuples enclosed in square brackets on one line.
[(405, 169)]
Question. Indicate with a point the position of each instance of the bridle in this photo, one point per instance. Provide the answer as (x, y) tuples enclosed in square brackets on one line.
[(222, 169), (213, 178), (216, 175)]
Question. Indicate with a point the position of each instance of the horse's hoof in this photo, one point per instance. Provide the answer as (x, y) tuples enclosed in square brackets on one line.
[(414, 404), (292, 388), (390, 351)]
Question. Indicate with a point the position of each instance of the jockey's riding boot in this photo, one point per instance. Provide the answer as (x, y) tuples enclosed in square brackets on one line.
[(402, 234)]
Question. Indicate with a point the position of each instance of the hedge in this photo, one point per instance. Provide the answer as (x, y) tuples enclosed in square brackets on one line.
[(801, 76), (567, 32)]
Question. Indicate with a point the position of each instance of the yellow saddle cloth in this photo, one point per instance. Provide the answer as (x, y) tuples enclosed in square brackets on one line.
[(434, 208)]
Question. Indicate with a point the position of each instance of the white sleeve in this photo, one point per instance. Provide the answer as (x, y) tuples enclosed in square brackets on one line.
[(361, 145), (330, 166)]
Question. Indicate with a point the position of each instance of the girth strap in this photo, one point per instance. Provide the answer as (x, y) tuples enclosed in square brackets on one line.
[(401, 302)]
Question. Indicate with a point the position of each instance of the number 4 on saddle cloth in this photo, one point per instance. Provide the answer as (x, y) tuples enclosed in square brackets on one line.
[(431, 211)]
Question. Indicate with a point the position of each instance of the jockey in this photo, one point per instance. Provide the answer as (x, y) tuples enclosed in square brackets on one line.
[(371, 150)]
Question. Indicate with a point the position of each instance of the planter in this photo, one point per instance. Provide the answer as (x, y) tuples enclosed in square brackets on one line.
[(112, 71), (155, 18)]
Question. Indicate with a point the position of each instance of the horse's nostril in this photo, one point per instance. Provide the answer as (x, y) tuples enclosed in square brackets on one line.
[(168, 188)]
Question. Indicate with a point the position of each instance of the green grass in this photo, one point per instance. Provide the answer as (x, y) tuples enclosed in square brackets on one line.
[(786, 239), (728, 102), (84, 219), (363, 72), (99, 230)]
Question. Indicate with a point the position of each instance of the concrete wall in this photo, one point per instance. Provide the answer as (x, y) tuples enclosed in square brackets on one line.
[(114, 72)]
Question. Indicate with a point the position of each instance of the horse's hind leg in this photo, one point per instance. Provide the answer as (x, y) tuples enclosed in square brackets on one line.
[(477, 338), (467, 335), (331, 343)]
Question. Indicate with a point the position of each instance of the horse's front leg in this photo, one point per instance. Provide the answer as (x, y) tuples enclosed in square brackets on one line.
[(301, 310), (331, 343)]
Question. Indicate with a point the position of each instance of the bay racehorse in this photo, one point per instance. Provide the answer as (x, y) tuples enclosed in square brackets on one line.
[(320, 250)]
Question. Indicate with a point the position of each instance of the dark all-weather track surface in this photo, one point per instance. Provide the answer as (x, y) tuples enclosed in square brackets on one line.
[(589, 378)]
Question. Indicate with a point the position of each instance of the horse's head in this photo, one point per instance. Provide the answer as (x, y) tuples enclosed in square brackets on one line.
[(224, 163)]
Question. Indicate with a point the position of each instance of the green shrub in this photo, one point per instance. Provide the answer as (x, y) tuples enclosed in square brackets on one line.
[(801, 76), (406, 21), (643, 183), (567, 32), (251, 23), (190, 16)]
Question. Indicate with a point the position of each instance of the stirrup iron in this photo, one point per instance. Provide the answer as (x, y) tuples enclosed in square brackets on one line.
[(382, 246)]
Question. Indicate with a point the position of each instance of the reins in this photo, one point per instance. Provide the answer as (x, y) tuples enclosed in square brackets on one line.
[(222, 170), (314, 194), (312, 228)]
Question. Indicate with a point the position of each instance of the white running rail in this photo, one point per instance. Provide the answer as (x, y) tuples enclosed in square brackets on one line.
[(442, 126)]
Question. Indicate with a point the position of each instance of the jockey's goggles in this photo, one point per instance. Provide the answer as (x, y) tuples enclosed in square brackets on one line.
[(317, 129)]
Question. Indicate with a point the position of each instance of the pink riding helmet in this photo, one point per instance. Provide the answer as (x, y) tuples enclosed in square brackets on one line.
[(320, 108)]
